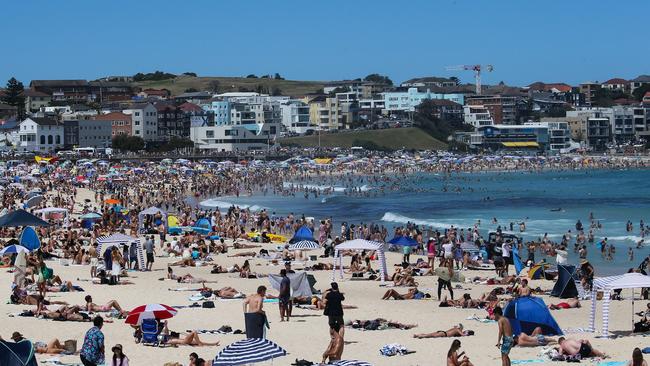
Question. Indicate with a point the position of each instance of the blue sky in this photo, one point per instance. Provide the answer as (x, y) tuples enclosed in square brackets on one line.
[(525, 40)]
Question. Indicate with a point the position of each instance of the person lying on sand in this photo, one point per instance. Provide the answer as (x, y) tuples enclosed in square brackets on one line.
[(378, 324), (21, 297), (320, 267), (186, 278), (465, 302), (54, 347), (243, 254), (237, 245), (64, 313), (572, 347), (316, 303), (228, 293), (191, 339), (112, 304), (412, 294), (537, 340), (220, 269), (456, 331), (568, 304)]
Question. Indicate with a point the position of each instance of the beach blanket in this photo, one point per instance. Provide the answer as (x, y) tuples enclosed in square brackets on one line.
[(393, 349), (299, 284), (612, 363), (524, 362)]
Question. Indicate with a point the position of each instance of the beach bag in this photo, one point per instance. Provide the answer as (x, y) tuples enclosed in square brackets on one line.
[(208, 304), (70, 345)]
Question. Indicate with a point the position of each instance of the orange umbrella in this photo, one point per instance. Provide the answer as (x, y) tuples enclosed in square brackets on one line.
[(112, 201)]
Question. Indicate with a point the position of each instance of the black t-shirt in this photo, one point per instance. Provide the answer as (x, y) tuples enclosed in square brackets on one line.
[(333, 305)]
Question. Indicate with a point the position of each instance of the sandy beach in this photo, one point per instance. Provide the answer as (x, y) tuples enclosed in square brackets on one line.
[(306, 335)]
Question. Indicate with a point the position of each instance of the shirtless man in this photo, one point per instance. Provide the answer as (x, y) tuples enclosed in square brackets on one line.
[(228, 293), (524, 290), (412, 294), (456, 331), (255, 302), (568, 304), (573, 347), (505, 340), (54, 347), (92, 307)]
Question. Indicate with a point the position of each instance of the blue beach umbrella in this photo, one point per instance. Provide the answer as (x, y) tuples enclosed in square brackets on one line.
[(404, 241), (90, 216), (29, 239), (304, 233), (13, 249)]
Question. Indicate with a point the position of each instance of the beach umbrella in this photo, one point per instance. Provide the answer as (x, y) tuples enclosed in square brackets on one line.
[(90, 216), (34, 201), (112, 201), (304, 245), (13, 249), (150, 311), (21, 218), (404, 241), (247, 351), (350, 363)]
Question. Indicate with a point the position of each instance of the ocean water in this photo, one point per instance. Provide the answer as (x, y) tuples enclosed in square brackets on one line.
[(548, 202)]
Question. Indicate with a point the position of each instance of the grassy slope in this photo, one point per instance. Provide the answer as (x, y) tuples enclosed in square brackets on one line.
[(230, 84), (396, 138)]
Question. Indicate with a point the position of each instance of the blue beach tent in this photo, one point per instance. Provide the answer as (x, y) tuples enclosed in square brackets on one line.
[(29, 239), (565, 286), (529, 312), (304, 233), (17, 354)]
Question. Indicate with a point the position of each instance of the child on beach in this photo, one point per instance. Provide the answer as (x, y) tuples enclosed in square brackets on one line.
[(505, 339)]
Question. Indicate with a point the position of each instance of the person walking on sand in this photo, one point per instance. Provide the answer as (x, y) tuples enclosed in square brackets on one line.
[(334, 310), (285, 296), (92, 350), (254, 314), (505, 339)]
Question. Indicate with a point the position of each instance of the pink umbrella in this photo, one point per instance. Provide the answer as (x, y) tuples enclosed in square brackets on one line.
[(151, 311)]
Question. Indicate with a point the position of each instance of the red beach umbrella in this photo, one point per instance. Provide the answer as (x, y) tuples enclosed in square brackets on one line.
[(150, 311)]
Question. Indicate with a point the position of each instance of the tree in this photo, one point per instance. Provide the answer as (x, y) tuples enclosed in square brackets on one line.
[(605, 97), (278, 77), (379, 79), (128, 143), (426, 118), (214, 86), (251, 76), (193, 74), (153, 76), (276, 91), (455, 80), (15, 97), (640, 91)]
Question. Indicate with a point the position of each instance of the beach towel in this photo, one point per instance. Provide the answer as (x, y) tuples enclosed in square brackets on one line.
[(393, 349), (255, 325), (524, 362), (612, 363)]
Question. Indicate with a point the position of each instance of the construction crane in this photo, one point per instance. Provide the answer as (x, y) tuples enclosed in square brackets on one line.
[(477, 72)]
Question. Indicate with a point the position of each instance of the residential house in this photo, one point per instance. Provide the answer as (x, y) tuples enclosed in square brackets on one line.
[(639, 82), (109, 91), (333, 113), (617, 84), (589, 90), (170, 120), (42, 135), (9, 137), (154, 93), (71, 91), (120, 123), (444, 109), (144, 121), (35, 100)]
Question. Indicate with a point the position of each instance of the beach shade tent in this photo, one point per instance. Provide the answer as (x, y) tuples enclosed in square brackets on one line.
[(529, 312), (609, 284), (90, 216), (17, 353), (248, 351), (538, 271), (404, 241), (360, 244), (565, 286), (29, 238), (299, 283), (202, 226), (13, 249), (304, 233), (150, 211), (304, 245), (117, 239), (54, 213), (150, 311), (21, 218)]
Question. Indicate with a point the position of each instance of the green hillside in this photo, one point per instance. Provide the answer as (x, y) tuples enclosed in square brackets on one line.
[(181, 83), (393, 139)]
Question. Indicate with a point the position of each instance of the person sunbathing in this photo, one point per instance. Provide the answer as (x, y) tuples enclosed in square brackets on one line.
[(228, 293), (321, 267), (456, 331), (405, 280), (536, 340), (21, 297), (54, 347), (378, 324), (243, 254), (92, 307), (65, 287), (186, 278), (220, 269), (568, 304), (572, 347), (191, 339), (316, 303), (64, 313), (237, 245), (412, 294)]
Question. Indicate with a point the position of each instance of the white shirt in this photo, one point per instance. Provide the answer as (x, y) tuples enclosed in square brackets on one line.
[(448, 249), (505, 250), (561, 256)]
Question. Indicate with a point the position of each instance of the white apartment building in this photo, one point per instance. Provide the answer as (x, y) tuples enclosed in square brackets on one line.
[(40, 135), (295, 117), (477, 116), (144, 121), (232, 138)]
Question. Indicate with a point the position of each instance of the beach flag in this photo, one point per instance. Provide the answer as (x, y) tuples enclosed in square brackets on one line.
[(516, 259)]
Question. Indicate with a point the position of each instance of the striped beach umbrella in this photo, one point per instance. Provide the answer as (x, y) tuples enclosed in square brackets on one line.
[(150, 311), (13, 249), (351, 363), (304, 245), (247, 351)]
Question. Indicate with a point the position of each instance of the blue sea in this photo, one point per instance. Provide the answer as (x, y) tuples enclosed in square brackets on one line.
[(548, 202)]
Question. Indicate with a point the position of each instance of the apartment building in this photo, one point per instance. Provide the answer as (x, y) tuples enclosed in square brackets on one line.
[(295, 116), (120, 123), (409, 100), (144, 121), (42, 135), (503, 109)]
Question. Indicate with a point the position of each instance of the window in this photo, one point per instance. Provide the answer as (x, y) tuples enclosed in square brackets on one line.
[(50, 140), (58, 139), (209, 134), (42, 139), (137, 114)]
